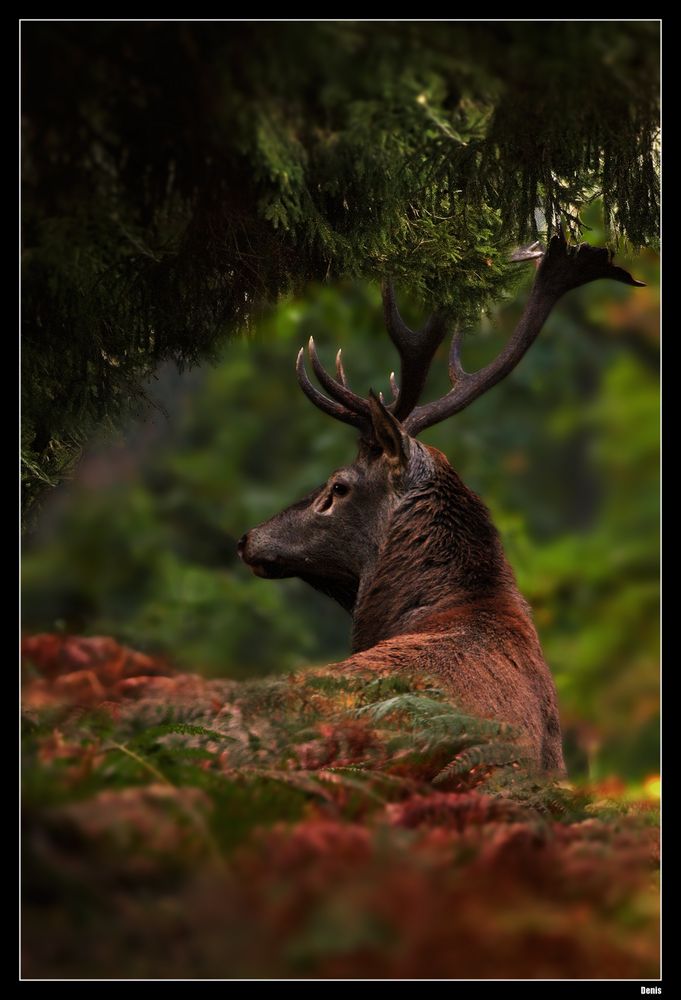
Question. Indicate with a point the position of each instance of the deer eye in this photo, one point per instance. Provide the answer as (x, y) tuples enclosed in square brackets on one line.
[(340, 489)]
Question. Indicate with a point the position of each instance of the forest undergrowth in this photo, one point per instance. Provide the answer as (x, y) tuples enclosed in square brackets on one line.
[(309, 825)]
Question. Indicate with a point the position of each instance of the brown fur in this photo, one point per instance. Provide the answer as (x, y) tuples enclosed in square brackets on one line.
[(412, 553), (443, 598), (490, 660)]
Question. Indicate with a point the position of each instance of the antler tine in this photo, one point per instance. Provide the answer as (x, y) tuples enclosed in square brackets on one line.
[(400, 334), (416, 350), (336, 390), (562, 268), (456, 370), (340, 371), (321, 401), (532, 252), (393, 385)]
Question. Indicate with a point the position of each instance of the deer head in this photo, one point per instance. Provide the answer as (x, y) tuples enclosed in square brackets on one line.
[(345, 537)]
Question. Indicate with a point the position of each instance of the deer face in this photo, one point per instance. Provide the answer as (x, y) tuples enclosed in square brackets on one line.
[(332, 536)]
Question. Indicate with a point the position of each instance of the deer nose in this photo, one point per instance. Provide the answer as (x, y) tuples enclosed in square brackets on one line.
[(241, 545)]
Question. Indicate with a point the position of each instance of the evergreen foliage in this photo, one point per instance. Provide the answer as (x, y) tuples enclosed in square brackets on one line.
[(179, 177)]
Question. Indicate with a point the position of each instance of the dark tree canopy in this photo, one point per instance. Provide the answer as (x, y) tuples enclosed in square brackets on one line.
[(180, 176)]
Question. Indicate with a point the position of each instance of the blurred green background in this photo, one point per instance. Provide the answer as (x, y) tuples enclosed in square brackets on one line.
[(141, 543)]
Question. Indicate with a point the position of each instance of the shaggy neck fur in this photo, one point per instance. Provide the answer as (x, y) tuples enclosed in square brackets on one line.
[(441, 551)]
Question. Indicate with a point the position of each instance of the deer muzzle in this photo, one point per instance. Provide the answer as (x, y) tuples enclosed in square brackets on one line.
[(268, 569)]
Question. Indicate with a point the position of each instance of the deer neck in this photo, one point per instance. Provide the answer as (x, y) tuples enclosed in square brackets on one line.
[(441, 551)]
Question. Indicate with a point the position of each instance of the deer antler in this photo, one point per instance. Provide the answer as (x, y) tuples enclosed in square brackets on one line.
[(344, 405), (416, 351), (562, 267)]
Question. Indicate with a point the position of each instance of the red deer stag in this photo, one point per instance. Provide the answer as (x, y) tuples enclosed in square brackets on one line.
[(400, 542)]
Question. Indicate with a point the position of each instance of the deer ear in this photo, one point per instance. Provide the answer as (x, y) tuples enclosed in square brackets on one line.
[(388, 432)]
